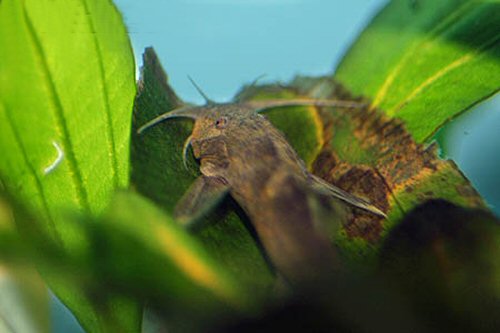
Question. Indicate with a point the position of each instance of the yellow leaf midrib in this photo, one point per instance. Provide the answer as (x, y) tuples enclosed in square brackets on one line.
[(435, 33), (443, 71)]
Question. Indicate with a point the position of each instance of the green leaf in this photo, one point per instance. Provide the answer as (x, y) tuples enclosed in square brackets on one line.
[(421, 63), (167, 267), (426, 61), (155, 262), (66, 94)]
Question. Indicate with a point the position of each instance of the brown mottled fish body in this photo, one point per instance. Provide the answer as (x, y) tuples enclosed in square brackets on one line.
[(243, 154), (269, 181)]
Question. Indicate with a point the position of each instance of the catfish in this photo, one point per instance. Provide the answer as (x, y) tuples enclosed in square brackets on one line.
[(243, 155)]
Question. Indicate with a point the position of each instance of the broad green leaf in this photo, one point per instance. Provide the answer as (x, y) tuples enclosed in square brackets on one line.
[(158, 172), (160, 262), (155, 262), (66, 94), (68, 270), (426, 61)]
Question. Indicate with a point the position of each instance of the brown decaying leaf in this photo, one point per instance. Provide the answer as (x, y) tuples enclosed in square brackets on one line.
[(392, 166)]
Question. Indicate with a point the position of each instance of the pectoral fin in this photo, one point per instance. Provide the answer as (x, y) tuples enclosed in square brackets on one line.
[(202, 195), (324, 188)]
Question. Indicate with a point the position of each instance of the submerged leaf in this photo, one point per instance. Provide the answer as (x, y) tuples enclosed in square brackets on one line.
[(372, 156), (66, 93), (168, 266), (155, 262), (433, 57)]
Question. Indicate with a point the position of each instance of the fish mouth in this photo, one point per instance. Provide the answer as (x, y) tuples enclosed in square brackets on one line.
[(211, 148), (214, 160)]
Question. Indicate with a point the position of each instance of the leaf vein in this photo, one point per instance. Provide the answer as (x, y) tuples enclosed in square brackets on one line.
[(442, 72), (31, 168), (435, 33), (102, 76), (58, 109)]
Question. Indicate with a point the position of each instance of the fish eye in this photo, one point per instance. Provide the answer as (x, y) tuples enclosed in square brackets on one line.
[(221, 122)]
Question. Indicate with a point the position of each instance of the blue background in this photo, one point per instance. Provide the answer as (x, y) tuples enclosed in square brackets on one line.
[(224, 44)]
